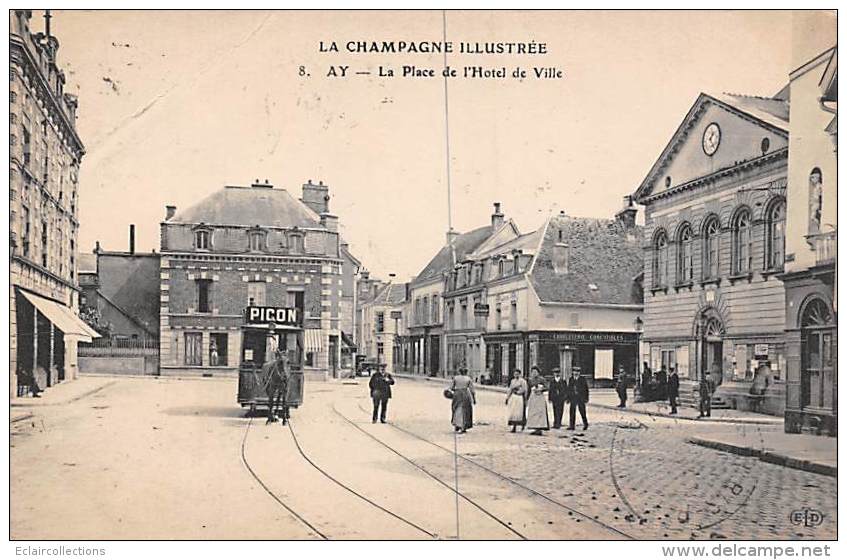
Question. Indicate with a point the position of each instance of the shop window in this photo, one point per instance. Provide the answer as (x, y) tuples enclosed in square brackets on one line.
[(711, 248), (775, 235), (742, 242), (204, 288), (685, 255), (660, 260), (218, 349)]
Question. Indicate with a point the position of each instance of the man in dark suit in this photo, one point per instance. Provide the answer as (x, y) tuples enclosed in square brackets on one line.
[(558, 395), (380, 386), (578, 394), (673, 390)]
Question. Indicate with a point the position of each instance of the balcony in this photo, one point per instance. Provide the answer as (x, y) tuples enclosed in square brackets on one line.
[(825, 246)]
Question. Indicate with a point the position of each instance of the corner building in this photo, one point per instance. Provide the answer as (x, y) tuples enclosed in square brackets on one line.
[(44, 158), (241, 246)]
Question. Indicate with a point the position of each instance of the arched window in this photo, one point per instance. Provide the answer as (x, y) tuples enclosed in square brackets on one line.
[(660, 260), (685, 255), (742, 242), (775, 235), (818, 356), (711, 248), (203, 239), (815, 200)]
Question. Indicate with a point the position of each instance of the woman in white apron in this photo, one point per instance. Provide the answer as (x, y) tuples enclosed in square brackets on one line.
[(516, 401)]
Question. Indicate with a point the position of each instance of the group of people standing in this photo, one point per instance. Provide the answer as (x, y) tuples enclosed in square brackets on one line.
[(527, 405)]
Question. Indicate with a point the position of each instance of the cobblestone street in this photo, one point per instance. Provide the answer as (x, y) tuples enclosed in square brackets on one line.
[(169, 451)]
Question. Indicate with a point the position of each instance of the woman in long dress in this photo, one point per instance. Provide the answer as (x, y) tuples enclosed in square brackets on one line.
[(516, 401), (536, 416), (464, 398)]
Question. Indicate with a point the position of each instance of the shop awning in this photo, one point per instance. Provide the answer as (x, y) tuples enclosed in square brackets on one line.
[(314, 340), (347, 340), (62, 317)]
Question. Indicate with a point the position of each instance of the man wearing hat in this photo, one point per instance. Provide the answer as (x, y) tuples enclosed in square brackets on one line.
[(558, 395), (578, 393)]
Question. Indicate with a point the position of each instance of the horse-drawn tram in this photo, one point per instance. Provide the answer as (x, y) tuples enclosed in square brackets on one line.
[(271, 367)]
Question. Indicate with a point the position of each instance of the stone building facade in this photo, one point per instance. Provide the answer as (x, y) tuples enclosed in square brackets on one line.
[(241, 246), (45, 154), (811, 248), (715, 210)]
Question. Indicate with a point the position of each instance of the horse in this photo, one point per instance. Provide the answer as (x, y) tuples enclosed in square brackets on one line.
[(276, 381)]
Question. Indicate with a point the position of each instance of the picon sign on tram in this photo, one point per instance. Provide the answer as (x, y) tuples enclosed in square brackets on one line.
[(283, 316)]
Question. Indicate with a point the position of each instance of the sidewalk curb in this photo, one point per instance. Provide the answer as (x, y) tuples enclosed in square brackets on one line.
[(767, 456), (499, 389), (751, 421), (66, 401)]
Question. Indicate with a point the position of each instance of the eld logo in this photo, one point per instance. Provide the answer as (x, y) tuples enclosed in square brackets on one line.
[(806, 517)]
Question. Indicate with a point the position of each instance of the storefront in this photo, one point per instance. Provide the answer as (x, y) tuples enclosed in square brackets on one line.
[(47, 337), (598, 355), (505, 352)]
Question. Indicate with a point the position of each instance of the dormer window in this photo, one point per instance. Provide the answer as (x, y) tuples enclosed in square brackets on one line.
[(203, 239), (295, 242), (258, 239)]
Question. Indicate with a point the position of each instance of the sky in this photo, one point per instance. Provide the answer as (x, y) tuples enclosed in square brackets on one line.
[(174, 105)]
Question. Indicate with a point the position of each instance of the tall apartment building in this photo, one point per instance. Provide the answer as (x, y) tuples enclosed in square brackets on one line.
[(45, 153)]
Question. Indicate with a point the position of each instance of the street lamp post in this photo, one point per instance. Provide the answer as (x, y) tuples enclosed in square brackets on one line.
[(638, 323)]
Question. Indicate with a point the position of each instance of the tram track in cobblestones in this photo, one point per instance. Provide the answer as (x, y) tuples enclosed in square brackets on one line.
[(351, 490), (432, 476), (297, 515), (531, 491), (270, 492)]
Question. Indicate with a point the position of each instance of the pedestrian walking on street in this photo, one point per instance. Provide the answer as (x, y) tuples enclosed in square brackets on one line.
[(380, 386), (620, 387), (516, 401), (464, 397), (558, 394), (705, 396), (537, 418), (578, 395), (673, 390)]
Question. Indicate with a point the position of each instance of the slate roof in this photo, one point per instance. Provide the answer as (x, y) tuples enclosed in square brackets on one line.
[(268, 207), (767, 109), (601, 252), (526, 242), (392, 294), (86, 263), (449, 255)]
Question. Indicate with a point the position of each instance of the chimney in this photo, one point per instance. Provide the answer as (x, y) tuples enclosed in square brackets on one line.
[(626, 215), (316, 197), (96, 247), (452, 234), (169, 212), (497, 216), (329, 221), (131, 239), (260, 185)]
